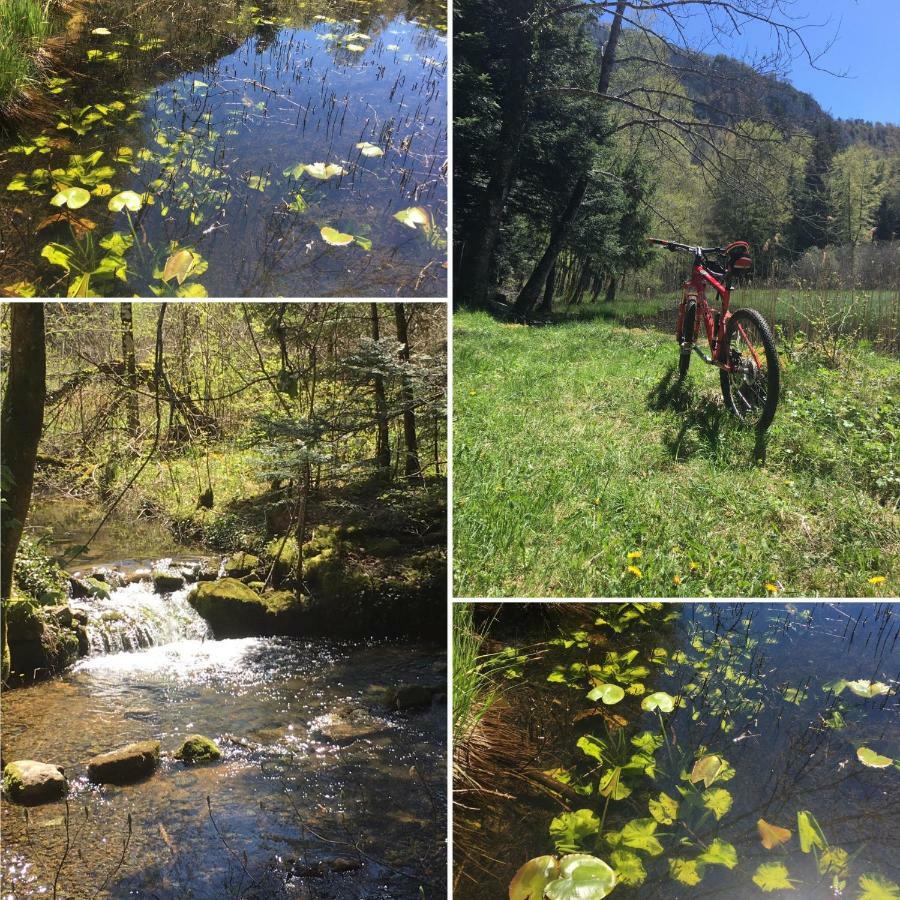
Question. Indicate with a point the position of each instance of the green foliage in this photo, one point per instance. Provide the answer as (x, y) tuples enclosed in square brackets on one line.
[(37, 575), (570, 831)]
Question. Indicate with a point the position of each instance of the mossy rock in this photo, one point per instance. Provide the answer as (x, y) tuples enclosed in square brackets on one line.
[(325, 538), (331, 579), (24, 620), (125, 764), (196, 749), (29, 782), (167, 580), (241, 564), (89, 587), (258, 586), (232, 608), (287, 560)]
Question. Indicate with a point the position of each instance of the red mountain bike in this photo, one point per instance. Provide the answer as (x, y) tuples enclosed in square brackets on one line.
[(741, 344)]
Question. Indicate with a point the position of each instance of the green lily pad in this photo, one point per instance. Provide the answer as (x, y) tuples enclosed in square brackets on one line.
[(718, 801), (414, 217), (368, 149), (629, 868), (871, 759), (530, 880), (773, 876), (687, 871), (660, 700), (608, 693), (664, 810), (322, 171), (719, 853), (73, 197), (334, 237), (706, 769), (876, 887), (581, 877), (126, 200)]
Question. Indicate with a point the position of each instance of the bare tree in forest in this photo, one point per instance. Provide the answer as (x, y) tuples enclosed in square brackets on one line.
[(21, 423), (412, 468), (128, 361), (382, 438)]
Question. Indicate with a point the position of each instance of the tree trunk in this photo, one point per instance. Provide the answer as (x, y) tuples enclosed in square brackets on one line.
[(21, 423), (412, 468), (134, 421), (546, 306), (528, 296), (611, 286), (382, 437), (476, 267)]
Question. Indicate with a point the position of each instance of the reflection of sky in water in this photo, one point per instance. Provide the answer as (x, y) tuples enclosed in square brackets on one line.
[(772, 696), (297, 98), (261, 699)]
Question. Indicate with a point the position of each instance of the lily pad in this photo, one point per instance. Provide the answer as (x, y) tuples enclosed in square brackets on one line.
[(368, 149), (773, 876), (875, 887), (687, 871), (100, 31), (414, 217), (719, 853), (530, 880), (179, 266), (772, 835), (581, 877), (706, 770), (126, 200), (334, 237), (660, 700), (664, 810), (322, 171), (629, 868), (73, 197), (607, 693), (718, 801), (871, 759), (570, 830)]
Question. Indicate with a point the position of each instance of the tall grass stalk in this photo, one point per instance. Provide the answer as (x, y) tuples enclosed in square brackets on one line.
[(24, 26), (474, 691)]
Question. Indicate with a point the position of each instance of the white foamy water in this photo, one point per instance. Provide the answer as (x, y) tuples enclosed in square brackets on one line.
[(135, 618)]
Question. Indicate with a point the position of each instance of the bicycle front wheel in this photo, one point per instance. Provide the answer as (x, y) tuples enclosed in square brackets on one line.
[(751, 388)]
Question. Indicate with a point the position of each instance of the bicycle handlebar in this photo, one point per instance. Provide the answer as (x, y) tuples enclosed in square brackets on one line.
[(686, 248)]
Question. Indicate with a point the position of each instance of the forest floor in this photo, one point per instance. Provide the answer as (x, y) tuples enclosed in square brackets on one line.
[(583, 468)]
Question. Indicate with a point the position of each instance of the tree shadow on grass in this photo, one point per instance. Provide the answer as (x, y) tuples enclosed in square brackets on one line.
[(706, 428)]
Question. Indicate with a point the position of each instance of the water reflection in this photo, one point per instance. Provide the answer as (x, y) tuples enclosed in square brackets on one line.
[(761, 688), (215, 142)]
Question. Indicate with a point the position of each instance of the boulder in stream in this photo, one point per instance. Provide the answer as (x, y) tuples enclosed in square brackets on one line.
[(410, 696), (124, 765), (88, 587), (348, 724), (231, 608), (29, 782), (197, 748), (167, 580), (241, 564)]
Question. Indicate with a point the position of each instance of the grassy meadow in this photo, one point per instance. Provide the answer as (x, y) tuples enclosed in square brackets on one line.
[(583, 468)]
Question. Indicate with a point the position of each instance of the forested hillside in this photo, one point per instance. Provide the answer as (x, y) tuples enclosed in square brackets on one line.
[(578, 132)]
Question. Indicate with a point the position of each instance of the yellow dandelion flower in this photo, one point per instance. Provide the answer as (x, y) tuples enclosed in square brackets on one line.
[(877, 579), (772, 588), (472, 393), (676, 580), (635, 554), (635, 571), (693, 566)]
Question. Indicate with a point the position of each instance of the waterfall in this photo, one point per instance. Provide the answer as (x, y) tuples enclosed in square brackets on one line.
[(134, 617)]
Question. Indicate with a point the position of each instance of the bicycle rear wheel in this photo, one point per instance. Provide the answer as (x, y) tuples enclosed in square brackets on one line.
[(687, 335), (751, 389)]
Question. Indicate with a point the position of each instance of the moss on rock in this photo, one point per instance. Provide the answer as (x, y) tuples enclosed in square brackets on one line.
[(241, 564), (231, 608), (197, 748), (29, 782), (167, 580)]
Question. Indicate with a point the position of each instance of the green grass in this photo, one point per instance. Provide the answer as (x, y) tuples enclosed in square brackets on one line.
[(24, 26), (473, 689), (870, 315), (576, 446)]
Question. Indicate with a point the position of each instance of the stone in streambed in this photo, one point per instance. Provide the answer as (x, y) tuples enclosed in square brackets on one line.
[(88, 587), (348, 724), (29, 783), (197, 748), (230, 607), (411, 696), (167, 580), (241, 564), (124, 765)]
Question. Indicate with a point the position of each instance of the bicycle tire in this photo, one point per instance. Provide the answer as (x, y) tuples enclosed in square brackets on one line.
[(750, 393), (687, 331)]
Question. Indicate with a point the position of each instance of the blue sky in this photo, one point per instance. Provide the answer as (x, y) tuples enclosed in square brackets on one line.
[(866, 48)]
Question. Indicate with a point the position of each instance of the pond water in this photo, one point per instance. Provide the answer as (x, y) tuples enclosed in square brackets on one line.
[(283, 793), (761, 688), (289, 148)]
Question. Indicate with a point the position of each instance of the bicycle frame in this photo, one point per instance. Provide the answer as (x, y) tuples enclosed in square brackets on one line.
[(716, 321)]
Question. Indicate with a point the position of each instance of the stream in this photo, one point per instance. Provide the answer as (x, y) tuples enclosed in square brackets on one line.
[(284, 805), (758, 682), (283, 144)]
